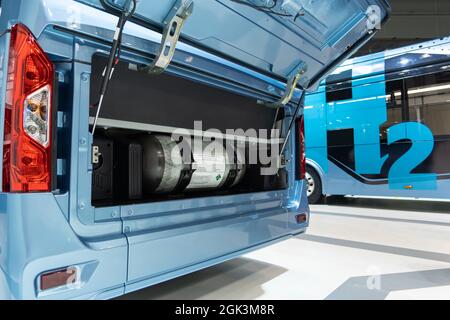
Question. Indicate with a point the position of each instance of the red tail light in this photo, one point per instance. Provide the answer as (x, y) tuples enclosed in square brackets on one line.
[(27, 141), (301, 148)]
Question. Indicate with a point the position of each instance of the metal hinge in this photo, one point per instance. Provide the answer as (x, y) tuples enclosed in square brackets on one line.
[(173, 24), (96, 155), (295, 79)]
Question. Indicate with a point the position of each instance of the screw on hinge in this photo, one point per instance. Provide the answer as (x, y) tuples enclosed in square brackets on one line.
[(96, 155)]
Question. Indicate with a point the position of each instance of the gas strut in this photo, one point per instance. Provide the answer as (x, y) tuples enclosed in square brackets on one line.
[(294, 117), (114, 56)]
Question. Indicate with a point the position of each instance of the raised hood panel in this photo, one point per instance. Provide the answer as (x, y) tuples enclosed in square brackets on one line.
[(273, 36)]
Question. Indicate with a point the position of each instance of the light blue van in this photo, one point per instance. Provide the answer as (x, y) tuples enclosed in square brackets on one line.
[(379, 126), (98, 199)]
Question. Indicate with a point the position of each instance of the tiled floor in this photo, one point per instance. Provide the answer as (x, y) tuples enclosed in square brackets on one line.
[(355, 249)]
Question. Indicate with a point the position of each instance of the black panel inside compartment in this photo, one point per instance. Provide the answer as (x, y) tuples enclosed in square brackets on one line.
[(341, 147), (167, 100)]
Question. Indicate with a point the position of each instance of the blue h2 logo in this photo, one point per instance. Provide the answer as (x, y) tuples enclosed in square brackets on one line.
[(422, 147), (365, 113)]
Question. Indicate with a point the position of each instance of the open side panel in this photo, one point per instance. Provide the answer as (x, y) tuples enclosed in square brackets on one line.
[(272, 37)]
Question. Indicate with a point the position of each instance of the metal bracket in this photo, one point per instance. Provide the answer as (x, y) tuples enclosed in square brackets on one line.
[(173, 24), (292, 83), (96, 155)]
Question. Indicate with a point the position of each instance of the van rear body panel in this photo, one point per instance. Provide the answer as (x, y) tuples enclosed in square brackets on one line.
[(123, 246)]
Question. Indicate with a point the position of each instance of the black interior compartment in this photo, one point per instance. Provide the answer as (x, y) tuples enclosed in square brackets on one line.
[(172, 102), (119, 174)]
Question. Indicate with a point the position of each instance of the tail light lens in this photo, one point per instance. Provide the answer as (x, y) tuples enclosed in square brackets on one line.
[(301, 163), (27, 149)]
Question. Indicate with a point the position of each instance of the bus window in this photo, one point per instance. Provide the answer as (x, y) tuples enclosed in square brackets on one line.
[(394, 102), (429, 101), (339, 87)]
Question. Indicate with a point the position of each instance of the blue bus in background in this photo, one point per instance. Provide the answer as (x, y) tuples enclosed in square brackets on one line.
[(380, 126), (98, 197)]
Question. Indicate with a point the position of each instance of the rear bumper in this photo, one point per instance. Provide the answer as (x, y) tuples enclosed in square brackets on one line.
[(36, 237), (144, 283)]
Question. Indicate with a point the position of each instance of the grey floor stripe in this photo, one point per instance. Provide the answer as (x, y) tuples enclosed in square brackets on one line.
[(421, 254), (360, 288), (347, 215)]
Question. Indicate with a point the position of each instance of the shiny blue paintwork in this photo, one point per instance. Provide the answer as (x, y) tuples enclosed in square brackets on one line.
[(124, 248), (365, 113), (282, 44)]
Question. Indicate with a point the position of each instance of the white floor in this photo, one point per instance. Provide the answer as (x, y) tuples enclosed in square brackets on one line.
[(355, 249)]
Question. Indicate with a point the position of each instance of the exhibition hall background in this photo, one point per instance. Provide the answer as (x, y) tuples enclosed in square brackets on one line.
[(412, 21)]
